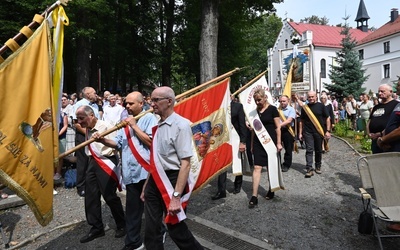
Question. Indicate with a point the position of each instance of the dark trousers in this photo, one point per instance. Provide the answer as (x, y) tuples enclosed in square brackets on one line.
[(287, 140), (81, 162), (134, 212), (222, 182), (154, 209), (99, 183), (375, 148), (313, 145)]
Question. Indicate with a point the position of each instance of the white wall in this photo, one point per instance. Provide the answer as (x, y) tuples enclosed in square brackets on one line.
[(375, 58), (318, 53)]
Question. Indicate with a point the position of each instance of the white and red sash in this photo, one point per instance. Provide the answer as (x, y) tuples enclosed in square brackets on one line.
[(163, 183), (132, 141), (114, 171)]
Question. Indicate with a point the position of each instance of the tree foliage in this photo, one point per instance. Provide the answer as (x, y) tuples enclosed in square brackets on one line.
[(130, 45), (315, 20), (347, 76)]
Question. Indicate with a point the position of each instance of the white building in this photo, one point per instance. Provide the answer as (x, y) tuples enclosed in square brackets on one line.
[(380, 53), (318, 45)]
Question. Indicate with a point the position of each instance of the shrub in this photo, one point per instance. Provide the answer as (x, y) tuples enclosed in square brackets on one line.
[(341, 129)]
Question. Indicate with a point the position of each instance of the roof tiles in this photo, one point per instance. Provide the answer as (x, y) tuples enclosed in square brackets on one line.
[(387, 29), (325, 35)]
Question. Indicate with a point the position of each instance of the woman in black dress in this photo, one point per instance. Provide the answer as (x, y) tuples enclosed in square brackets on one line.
[(269, 117)]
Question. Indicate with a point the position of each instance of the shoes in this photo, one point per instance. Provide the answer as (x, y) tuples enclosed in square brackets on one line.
[(54, 192), (285, 169), (253, 202), (218, 196), (394, 227), (120, 232), (164, 236), (270, 195), (56, 177), (237, 189), (310, 172), (91, 236), (141, 247), (5, 196), (318, 170), (81, 193)]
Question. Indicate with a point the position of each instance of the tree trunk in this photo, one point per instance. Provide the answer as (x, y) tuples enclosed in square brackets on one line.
[(83, 44), (166, 44), (82, 63), (209, 40)]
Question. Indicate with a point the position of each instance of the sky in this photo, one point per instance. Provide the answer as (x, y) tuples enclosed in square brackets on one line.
[(335, 10)]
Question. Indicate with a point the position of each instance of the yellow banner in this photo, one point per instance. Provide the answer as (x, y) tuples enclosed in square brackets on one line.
[(28, 131)]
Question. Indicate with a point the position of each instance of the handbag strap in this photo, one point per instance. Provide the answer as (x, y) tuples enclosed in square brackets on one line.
[(366, 204)]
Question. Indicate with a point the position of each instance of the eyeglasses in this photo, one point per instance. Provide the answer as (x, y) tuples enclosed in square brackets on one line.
[(158, 99)]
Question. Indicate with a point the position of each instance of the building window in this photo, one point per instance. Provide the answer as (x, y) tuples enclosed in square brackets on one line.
[(361, 54), (386, 71), (286, 44), (323, 68), (386, 47)]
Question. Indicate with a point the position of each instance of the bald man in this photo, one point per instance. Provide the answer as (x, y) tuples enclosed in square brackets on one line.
[(134, 175), (380, 115), (172, 151), (310, 134), (89, 99), (101, 160)]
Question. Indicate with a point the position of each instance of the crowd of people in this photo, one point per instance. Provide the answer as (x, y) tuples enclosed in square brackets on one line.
[(304, 119)]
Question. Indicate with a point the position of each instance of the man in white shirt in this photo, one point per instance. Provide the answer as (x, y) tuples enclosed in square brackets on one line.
[(112, 111)]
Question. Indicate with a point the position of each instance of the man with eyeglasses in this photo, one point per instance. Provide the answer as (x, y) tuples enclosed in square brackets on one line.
[(89, 98), (171, 153)]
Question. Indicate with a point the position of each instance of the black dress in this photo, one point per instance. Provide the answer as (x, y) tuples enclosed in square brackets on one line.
[(267, 119)]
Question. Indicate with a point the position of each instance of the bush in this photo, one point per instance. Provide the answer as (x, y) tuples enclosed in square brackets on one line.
[(366, 145), (341, 129)]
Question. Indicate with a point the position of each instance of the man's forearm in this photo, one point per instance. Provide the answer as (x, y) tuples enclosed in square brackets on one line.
[(392, 136), (183, 175)]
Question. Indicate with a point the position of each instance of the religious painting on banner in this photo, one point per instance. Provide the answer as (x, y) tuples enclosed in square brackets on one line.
[(211, 127), (298, 59), (249, 106), (28, 127)]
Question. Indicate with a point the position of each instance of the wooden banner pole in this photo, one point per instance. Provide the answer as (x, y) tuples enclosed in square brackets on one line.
[(123, 123)]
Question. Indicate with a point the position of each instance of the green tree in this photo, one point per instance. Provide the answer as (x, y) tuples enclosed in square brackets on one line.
[(315, 20), (347, 76)]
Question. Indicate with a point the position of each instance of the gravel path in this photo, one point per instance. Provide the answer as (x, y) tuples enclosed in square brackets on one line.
[(316, 213)]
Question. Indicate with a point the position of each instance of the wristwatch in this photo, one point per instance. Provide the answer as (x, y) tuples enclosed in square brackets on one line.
[(176, 194)]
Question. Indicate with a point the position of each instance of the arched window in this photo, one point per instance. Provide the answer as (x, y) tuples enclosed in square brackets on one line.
[(286, 44), (323, 68)]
